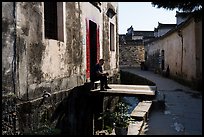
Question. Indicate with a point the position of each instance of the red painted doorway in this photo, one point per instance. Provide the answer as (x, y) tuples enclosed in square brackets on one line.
[(92, 46)]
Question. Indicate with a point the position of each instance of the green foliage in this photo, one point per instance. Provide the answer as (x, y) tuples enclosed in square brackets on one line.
[(44, 130), (45, 127), (188, 6), (118, 118), (120, 115)]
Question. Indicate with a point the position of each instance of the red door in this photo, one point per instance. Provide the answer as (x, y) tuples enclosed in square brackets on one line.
[(87, 50), (92, 46)]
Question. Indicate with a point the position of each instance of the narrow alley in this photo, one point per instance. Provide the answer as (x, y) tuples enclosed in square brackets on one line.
[(182, 114), (52, 53)]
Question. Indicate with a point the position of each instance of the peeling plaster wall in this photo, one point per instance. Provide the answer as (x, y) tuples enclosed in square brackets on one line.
[(8, 35), (74, 36), (92, 13), (9, 115), (106, 42), (46, 64), (112, 57), (30, 46)]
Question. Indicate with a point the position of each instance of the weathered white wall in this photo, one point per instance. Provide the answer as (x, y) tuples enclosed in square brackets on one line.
[(198, 39), (51, 65), (33, 64), (172, 46), (93, 14), (8, 41)]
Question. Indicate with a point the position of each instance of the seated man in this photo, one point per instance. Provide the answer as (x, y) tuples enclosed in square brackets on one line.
[(99, 75)]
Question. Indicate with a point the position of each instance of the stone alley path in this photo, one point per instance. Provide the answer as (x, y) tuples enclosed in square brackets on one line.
[(182, 114)]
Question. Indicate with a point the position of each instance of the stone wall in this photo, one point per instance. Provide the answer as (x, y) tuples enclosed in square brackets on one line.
[(131, 55), (10, 125), (68, 112)]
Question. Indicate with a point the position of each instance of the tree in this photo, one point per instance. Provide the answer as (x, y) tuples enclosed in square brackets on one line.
[(186, 6)]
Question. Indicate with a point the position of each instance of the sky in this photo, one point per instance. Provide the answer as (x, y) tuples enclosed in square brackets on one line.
[(142, 16)]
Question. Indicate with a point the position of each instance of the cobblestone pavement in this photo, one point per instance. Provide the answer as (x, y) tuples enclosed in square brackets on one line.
[(182, 114)]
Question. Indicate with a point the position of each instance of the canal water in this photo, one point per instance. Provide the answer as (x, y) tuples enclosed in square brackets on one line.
[(131, 102)]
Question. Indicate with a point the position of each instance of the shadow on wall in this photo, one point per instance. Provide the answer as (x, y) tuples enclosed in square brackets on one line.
[(132, 79), (75, 113)]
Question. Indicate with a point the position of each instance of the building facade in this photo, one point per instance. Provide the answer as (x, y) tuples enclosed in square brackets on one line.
[(50, 47), (180, 49), (162, 29), (131, 47)]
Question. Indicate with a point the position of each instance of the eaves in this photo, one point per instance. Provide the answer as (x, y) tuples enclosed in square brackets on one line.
[(176, 28)]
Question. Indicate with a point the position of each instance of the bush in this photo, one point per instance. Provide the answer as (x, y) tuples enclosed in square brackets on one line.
[(118, 118)]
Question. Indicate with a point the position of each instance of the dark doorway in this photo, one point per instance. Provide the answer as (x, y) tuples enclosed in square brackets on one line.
[(162, 60), (93, 44)]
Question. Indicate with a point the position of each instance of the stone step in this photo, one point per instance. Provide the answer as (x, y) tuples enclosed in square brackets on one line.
[(141, 110), (133, 87)]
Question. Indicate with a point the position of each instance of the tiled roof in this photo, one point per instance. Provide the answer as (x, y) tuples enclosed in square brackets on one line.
[(182, 14), (161, 25), (143, 33)]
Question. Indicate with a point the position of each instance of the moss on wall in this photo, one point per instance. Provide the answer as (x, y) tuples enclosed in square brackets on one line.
[(105, 44), (35, 58), (74, 34)]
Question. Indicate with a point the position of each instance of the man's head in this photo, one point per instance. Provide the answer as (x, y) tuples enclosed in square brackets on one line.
[(101, 62)]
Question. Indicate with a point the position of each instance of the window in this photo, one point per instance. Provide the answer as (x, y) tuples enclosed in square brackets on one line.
[(112, 43), (53, 14), (110, 13)]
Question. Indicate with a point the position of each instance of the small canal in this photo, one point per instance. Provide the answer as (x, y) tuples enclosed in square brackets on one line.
[(132, 101), (79, 111)]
